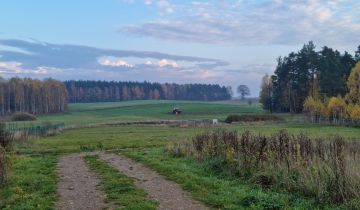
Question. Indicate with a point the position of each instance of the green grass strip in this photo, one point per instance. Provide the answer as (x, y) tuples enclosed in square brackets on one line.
[(120, 189), (31, 185), (218, 191)]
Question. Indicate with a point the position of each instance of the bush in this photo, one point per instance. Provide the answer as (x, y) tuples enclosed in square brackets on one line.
[(324, 169), (5, 142), (251, 118), (22, 116)]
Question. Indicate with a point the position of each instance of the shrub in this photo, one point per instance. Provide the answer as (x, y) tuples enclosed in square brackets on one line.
[(5, 137), (22, 116), (5, 142), (251, 118), (325, 169)]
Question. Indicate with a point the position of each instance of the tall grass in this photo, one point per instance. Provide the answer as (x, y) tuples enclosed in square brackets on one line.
[(326, 169), (5, 141)]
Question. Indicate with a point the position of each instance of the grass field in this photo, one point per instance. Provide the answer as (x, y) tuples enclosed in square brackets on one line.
[(146, 144), (92, 113), (32, 184)]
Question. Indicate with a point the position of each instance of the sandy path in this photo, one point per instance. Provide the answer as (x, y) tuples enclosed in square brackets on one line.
[(169, 194), (77, 186)]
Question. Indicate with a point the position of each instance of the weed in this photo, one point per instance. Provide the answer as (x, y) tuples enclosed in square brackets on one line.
[(326, 169)]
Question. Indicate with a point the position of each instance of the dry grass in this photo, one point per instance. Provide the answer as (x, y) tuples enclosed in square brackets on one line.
[(252, 118), (325, 169)]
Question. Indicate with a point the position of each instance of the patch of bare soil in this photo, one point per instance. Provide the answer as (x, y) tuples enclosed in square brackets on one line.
[(77, 186), (169, 194)]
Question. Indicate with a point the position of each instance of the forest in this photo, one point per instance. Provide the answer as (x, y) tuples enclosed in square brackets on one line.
[(32, 96), (321, 83), (52, 96), (105, 91)]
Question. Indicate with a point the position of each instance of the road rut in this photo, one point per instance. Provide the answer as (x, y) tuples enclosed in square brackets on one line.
[(169, 194), (77, 186)]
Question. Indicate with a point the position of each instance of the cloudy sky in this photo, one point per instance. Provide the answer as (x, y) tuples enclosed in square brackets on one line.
[(228, 42)]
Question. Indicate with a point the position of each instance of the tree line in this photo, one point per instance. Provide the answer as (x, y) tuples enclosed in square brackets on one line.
[(52, 96), (339, 109), (105, 91), (32, 96), (310, 75)]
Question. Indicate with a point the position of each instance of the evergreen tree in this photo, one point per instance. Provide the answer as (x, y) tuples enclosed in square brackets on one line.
[(357, 54), (307, 72), (331, 73)]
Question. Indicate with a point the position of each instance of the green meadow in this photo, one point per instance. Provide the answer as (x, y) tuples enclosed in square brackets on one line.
[(112, 112), (37, 158)]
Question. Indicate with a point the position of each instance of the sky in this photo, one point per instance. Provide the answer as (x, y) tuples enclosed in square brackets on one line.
[(226, 42)]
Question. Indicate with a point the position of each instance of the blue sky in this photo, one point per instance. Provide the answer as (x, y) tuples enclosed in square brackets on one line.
[(226, 42)]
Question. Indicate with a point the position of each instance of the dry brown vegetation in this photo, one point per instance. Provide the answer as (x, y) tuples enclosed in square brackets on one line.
[(326, 169), (251, 118)]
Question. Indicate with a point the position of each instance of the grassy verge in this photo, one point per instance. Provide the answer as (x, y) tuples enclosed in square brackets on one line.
[(32, 184), (120, 189), (218, 190)]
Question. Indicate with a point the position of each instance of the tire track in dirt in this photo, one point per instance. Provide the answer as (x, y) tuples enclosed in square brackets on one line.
[(77, 186), (169, 194)]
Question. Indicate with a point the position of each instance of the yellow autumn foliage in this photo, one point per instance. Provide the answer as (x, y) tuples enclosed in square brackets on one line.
[(337, 107), (355, 113), (353, 84), (314, 107)]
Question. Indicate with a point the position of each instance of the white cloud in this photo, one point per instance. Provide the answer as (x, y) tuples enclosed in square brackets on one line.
[(348, 22), (315, 9), (114, 62), (10, 67), (149, 63), (13, 68), (163, 63), (206, 74), (48, 70), (164, 6), (85, 57), (327, 22), (147, 2)]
